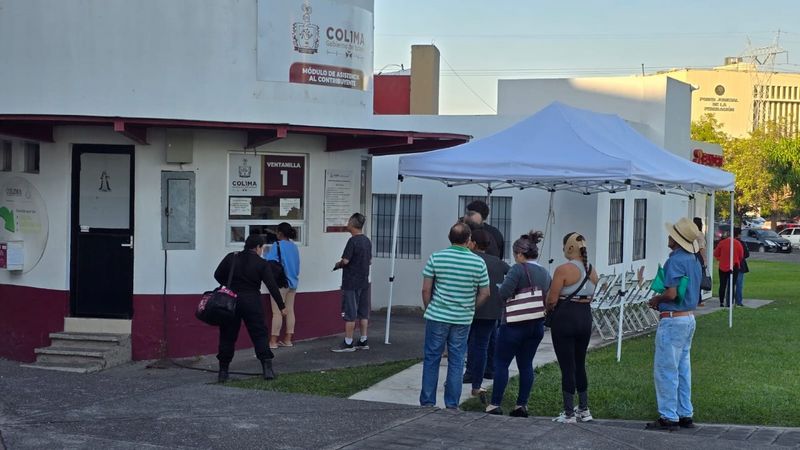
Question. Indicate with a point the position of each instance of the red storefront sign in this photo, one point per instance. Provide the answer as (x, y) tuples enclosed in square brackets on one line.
[(707, 159)]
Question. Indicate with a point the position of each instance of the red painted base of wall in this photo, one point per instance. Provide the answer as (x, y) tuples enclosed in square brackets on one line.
[(27, 317), (318, 314)]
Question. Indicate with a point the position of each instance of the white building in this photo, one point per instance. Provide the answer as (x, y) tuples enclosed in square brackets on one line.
[(622, 234)]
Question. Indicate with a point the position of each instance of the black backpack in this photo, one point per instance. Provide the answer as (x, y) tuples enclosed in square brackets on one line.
[(277, 269)]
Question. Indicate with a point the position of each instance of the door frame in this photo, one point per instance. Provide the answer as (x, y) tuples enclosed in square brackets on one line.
[(77, 151)]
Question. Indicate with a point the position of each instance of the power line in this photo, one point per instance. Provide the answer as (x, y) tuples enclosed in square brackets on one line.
[(467, 85)]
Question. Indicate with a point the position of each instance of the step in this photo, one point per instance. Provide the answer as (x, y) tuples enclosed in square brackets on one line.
[(100, 341), (68, 355), (88, 325), (74, 367)]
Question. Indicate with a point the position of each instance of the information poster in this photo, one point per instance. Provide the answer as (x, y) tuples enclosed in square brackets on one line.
[(339, 205), (241, 206), (244, 175), (24, 224), (287, 205)]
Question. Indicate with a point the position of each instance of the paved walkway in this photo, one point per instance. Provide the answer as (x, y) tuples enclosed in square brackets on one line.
[(403, 388), (132, 407)]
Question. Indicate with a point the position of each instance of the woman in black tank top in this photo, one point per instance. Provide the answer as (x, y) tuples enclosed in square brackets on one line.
[(571, 326)]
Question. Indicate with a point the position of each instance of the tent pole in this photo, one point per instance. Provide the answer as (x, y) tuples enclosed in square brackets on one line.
[(393, 257), (709, 256), (730, 278), (622, 292), (551, 220)]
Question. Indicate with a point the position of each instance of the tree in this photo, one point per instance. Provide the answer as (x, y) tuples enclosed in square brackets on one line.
[(766, 165)]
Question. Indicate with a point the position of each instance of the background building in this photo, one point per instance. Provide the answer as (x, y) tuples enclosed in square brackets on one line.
[(743, 96)]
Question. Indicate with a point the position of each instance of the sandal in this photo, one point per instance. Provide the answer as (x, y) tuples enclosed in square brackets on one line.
[(285, 344)]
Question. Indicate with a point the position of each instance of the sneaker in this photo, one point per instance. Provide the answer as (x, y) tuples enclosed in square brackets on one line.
[(519, 411), (494, 410), (362, 345), (583, 415), (343, 348), (662, 424), (564, 418), (686, 422)]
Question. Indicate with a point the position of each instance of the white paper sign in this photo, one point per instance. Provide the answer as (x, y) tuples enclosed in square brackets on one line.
[(287, 204), (241, 206), (339, 202), (244, 175)]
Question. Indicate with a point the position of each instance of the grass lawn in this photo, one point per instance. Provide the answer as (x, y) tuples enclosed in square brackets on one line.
[(332, 383), (747, 375)]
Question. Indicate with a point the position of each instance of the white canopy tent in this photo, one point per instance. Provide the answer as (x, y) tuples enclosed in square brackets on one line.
[(561, 148)]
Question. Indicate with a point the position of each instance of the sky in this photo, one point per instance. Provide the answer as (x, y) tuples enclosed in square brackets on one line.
[(481, 41)]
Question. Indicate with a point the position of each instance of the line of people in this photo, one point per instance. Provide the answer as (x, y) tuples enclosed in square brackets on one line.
[(466, 291)]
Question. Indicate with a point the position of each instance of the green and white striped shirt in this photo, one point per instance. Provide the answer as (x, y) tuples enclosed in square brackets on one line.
[(457, 274)]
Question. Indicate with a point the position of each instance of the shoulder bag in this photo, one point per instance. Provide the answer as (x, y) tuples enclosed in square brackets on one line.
[(527, 305), (278, 272), (705, 279), (218, 306), (548, 320)]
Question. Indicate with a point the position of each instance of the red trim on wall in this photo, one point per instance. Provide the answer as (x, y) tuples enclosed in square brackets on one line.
[(318, 314), (27, 317)]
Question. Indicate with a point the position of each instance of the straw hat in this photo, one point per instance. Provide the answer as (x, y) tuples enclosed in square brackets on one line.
[(684, 232)]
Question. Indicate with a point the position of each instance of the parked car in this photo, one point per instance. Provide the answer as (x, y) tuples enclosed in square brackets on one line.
[(792, 235), (721, 230), (765, 241)]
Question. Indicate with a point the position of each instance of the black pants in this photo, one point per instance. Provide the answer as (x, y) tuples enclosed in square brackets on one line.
[(571, 331), (724, 279), (249, 310)]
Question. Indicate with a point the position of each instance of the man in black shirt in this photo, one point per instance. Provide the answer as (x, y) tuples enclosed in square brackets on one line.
[(249, 271), (480, 207), (355, 262)]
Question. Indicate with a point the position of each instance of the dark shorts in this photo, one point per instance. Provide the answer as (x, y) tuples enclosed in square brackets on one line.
[(355, 304)]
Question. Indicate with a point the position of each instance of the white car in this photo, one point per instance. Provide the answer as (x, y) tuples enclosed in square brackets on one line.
[(755, 222), (793, 235)]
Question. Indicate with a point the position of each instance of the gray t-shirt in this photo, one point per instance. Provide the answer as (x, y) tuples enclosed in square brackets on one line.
[(358, 251)]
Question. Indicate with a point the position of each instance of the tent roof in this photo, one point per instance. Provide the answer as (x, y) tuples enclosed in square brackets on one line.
[(566, 148)]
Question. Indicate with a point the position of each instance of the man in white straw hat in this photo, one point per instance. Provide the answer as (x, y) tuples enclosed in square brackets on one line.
[(672, 367)]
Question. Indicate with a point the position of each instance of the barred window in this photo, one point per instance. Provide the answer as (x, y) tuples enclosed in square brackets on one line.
[(616, 225), (31, 157), (7, 154), (409, 236), (639, 229), (499, 215)]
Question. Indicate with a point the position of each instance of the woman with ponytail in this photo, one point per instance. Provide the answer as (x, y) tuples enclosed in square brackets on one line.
[(519, 340), (285, 252), (569, 301)]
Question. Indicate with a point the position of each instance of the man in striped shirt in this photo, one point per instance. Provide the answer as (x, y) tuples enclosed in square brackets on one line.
[(451, 279)]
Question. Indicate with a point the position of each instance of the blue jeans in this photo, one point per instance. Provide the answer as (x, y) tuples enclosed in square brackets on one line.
[(437, 335), (672, 368), (520, 341), (739, 286), (480, 333)]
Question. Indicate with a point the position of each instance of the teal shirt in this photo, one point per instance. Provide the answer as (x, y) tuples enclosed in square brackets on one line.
[(457, 274)]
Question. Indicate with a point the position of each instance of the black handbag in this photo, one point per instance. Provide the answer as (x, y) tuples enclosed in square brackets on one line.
[(705, 280), (548, 318), (278, 272), (218, 306)]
